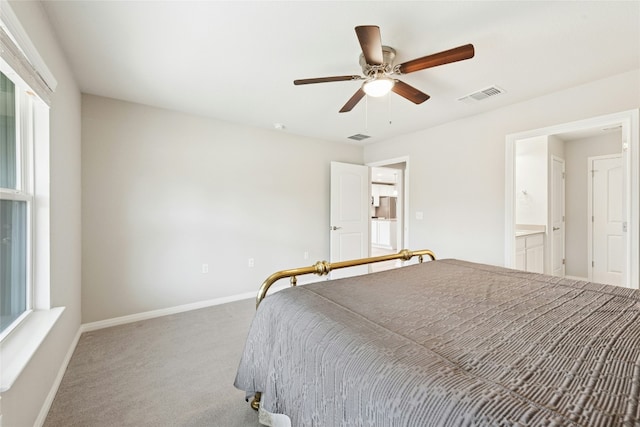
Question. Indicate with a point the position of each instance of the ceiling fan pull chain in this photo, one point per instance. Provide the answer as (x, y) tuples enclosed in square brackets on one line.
[(366, 113), (390, 110)]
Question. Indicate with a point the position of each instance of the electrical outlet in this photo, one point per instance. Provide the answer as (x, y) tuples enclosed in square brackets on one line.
[(251, 263), (205, 268)]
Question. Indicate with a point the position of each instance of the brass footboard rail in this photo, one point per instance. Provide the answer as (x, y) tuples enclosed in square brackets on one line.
[(322, 268)]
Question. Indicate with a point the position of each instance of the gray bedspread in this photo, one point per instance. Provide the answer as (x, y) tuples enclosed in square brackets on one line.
[(447, 343)]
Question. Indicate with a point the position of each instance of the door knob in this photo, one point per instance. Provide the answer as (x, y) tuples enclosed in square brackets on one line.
[(334, 228), (556, 228)]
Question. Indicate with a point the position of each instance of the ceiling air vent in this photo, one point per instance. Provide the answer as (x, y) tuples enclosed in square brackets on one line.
[(359, 137), (481, 95)]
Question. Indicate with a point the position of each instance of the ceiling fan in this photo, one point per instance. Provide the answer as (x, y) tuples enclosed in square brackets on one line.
[(379, 71)]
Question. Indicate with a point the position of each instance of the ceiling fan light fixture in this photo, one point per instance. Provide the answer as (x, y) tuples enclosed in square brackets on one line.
[(378, 87)]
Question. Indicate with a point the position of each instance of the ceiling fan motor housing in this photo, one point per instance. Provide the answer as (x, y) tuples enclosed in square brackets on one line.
[(388, 55)]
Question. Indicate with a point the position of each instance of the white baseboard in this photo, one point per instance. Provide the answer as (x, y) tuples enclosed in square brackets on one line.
[(93, 326), (584, 279), (46, 406), (100, 324)]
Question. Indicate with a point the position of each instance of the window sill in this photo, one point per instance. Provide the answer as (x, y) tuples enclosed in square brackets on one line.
[(17, 349)]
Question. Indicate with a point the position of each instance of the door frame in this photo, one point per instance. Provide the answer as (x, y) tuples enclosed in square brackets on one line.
[(405, 195), (629, 122), (552, 247), (590, 177)]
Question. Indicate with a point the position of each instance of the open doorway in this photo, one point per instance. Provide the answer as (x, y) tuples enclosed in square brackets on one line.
[(387, 211), (575, 143), (356, 208)]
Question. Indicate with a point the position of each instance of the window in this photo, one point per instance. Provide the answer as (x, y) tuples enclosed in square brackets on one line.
[(16, 199), (26, 89)]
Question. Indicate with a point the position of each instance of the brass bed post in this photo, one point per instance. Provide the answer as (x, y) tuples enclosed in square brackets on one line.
[(322, 268)]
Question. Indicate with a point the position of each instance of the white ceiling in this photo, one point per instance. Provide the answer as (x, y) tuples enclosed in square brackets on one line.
[(236, 60)]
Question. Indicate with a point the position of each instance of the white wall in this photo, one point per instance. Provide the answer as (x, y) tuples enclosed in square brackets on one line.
[(23, 402), (165, 192), (576, 153), (457, 169), (531, 181)]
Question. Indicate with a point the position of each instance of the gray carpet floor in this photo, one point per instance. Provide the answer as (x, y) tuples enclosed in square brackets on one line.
[(175, 370)]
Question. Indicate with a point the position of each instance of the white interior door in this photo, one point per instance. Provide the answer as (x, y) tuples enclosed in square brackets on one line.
[(349, 219), (557, 217), (608, 239)]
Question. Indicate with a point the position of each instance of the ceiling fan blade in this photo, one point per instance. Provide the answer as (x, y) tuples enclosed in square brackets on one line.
[(371, 43), (446, 57), (409, 92), (326, 80), (353, 101)]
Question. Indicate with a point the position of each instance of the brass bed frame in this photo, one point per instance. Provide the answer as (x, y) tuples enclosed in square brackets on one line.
[(322, 268)]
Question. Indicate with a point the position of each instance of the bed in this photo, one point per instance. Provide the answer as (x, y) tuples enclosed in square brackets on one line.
[(445, 343)]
